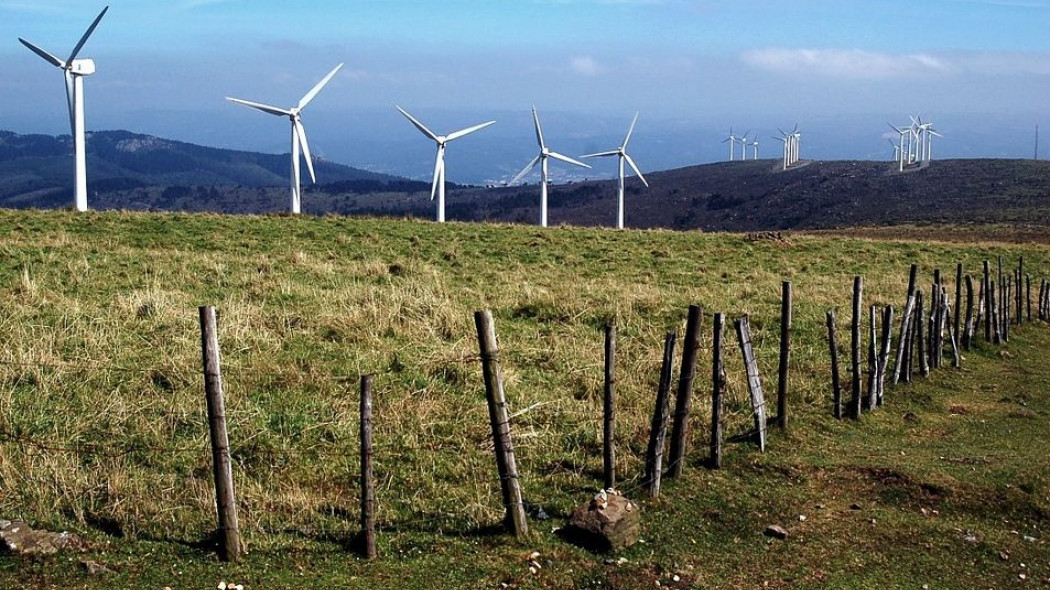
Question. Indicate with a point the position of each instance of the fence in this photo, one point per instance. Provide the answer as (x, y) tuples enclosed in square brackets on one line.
[(927, 334)]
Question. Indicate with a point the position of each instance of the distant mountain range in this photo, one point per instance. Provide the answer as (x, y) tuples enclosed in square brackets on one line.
[(131, 171)]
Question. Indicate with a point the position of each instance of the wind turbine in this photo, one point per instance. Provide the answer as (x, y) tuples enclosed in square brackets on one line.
[(731, 140), (754, 144), (900, 148), (294, 114), (541, 159), (896, 150), (438, 187), (74, 70), (623, 156), (743, 145), (784, 157)]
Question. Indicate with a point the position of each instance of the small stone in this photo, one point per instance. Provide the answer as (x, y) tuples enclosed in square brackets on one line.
[(1022, 576), (802, 518), (1029, 539), (676, 578), (221, 586), (94, 568), (775, 531), (608, 526), (1004, 556), (532, 570), (534, 555)]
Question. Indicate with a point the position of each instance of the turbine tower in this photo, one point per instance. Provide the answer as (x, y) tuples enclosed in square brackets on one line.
[(438, 186), (294, 114), (754, 144), (74, 70), (541, 159), (622, 156), (901, 153)]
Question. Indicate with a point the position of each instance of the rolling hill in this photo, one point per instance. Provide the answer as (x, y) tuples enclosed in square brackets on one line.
[(130, 171)]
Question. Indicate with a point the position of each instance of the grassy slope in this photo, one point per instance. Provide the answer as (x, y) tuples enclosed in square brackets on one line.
[(103, 352)]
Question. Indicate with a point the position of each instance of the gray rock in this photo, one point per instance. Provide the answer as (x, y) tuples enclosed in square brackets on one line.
[(609, 522), (776, 531), (18, 537)]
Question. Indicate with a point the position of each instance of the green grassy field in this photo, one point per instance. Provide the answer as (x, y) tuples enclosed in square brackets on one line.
[(104, 429)]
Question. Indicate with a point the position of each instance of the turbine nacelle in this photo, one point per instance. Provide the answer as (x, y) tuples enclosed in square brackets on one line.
[(82, 67)]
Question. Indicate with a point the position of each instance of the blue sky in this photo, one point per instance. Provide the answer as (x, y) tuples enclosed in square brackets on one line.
[(693, 68)]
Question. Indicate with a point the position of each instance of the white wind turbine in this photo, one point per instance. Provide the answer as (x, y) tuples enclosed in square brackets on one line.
[(74, 70), (784, 156), (294, 114), (541, 159), (754, 144), (438, 187), (901, 154), (731, 140), (896, 150), (622, 156), (743, 145)]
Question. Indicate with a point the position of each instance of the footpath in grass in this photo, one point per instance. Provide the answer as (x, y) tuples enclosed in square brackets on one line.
[(946, 486)]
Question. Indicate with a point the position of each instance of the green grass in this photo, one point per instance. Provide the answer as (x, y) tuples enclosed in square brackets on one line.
[(100, 381)]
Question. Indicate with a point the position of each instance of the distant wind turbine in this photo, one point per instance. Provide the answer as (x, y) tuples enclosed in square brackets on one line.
[(622, 156), (438, 186), (541, 159), (754, 144), (294, 114), (74, 70)]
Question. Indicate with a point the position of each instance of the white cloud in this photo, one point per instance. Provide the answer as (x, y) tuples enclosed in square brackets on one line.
[(845, 63), (586, 65)]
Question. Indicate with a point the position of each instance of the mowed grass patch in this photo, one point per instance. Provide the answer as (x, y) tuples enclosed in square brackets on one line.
[(100, 390)]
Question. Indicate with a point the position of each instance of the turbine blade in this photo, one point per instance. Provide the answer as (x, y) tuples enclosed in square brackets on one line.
[(301, 132), (782, 132), (894, 127), (525, 171), (630, 130), (422, 128), (567, 159), (317, 88), (47, 56), (261, 107), (539, 132), (467, 131), (83, 40), (439, 164), (602, 154), (636, 170)]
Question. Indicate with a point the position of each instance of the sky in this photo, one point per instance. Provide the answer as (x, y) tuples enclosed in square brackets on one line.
[(840, 69)]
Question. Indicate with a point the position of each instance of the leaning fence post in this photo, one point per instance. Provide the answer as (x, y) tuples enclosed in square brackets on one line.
[(1028, 296), (718, 382), (836, 387), (609, 409), (658, 429), (754, 383), (785, 354), (684, 402), (989, 307), (902, 339), (854, 403), (921, 336), (368, 489), (510, 486), (225, 499)]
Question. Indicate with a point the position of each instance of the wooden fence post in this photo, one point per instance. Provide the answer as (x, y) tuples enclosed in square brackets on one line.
[(854, 404), (684, 401), (902, 340), (910, 345), (718, 383), (920, 336), (836, 386), (952, 338), (1028, 296), (871, 399), (968, 333), (1020, 291), (936, 305), (754, 383), (658, 428), (785, 354), (225, 499), (993, 313), (368, 489), (958, 299), (609, 409), (989, 308), (884, 353), (510, 486)]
